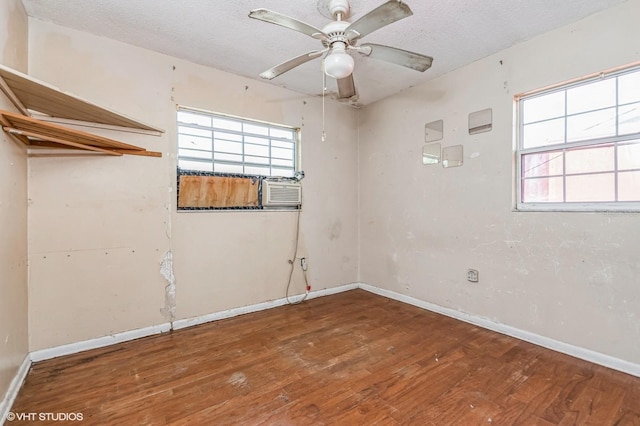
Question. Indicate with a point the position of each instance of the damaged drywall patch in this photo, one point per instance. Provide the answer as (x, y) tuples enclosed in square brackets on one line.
[(166, 270)]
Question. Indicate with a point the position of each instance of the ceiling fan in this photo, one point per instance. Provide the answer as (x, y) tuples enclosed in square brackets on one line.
[(339, 37)]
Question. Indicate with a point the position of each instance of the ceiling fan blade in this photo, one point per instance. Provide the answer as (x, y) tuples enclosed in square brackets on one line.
[(287, 22), (412, 60), (290, 64), (383, 15), (346, 87)]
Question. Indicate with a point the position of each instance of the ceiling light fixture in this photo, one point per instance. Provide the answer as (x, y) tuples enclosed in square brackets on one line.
[(338, 64)]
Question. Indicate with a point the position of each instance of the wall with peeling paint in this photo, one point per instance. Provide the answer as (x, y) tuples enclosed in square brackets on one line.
[(572, 277), (100, 228), (13, 209)]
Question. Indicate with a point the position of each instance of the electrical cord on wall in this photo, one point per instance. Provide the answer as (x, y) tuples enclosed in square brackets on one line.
[(303, 265)]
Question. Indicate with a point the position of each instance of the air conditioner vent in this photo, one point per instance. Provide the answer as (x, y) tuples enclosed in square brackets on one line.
[(281, 194)]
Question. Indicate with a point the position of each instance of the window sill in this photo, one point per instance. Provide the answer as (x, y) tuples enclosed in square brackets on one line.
[(631, 207)]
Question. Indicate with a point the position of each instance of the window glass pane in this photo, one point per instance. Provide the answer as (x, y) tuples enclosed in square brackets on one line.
[(228, 168), (542, 164), (282, 172), (629, 186), (222, 123), (256, 150), (256, 160), (194, 142), (542, 190), (254, 170), (282, 134), (629, 88), (226, 146), (192, 153), (629, 119), (629, 156), (255, 129), (193, 118), (590, 160), (544, 133), (228, 157), (282, 153), (257, 141), (285, 163), (227, 136), (543, 107), (591, 96), (591, 188), (591, 125), (282, 144), (195, 165), (184, 130)]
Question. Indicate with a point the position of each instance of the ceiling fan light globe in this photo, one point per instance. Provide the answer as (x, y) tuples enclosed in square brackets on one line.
[(338, 64)]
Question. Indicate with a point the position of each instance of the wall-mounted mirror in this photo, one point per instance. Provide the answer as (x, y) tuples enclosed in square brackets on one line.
[(480, 121), (452, 156), (433, 131), (431, 154)]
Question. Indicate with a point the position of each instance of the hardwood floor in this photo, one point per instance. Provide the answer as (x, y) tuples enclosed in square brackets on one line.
[(353, 358)]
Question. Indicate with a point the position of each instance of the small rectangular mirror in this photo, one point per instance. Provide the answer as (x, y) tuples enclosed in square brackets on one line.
[(452, 156), (433, 131), (480, 121), (431, 154)]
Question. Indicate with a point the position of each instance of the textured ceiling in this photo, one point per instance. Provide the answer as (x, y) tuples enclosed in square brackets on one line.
[(219, 33)]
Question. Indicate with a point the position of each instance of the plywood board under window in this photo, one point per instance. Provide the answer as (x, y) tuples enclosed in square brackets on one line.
[(217, 191)]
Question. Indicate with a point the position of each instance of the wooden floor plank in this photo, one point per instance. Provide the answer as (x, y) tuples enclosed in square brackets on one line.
[(350, 358)]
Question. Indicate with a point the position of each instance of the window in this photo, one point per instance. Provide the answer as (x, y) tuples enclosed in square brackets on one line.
[(209, 142), (579, 145)]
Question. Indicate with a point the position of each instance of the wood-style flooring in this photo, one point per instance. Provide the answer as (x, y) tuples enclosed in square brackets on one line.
[(349, 359)]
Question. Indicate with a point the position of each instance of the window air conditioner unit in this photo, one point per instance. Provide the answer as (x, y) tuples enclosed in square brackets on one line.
[(281, 194)]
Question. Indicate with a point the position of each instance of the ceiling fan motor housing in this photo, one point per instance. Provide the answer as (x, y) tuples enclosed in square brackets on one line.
[(335, 31)]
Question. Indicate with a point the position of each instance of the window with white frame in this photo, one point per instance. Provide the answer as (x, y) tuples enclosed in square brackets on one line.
[(579, 145), (210, 142)]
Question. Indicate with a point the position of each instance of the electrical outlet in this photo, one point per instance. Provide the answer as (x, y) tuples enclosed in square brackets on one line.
[(472, 275)]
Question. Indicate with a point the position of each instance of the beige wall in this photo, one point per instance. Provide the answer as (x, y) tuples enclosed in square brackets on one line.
[(568, 276), (99, 227), (13, 209)]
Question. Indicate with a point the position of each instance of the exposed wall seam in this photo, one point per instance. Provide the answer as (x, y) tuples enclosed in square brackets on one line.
[(166, 269)]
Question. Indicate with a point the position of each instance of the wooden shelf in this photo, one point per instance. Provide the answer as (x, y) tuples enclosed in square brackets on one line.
[(37, 133), (30, 95)]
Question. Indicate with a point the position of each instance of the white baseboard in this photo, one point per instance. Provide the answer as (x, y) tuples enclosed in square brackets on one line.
[(72, 348), (98, 342), (189, 322), (558, 346), (14, 388)]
